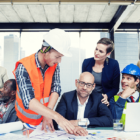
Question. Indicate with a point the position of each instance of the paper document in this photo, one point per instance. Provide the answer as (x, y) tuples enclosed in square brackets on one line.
[(11, 136), (9, 127), (38, 134)]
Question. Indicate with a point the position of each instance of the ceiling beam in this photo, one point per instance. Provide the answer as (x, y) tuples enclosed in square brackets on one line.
[(46, 30), (67, 30), (129, 26), (66, 1), (120, 15), (87, 26), (116, 18), (120, 2), (54, 25)]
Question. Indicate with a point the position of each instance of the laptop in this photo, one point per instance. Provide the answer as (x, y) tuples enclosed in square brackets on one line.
[(132, 118)]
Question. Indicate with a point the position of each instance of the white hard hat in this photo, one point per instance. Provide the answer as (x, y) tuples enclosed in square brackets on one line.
[(59, 40)]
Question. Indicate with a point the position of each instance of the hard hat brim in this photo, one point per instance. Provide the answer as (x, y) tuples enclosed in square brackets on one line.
[(67, 54)]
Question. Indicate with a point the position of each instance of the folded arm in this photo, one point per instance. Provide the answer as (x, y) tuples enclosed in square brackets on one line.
[(117, 107)]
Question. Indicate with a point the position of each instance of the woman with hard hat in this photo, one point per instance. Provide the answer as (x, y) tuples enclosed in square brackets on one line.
[(38, 82), (105, 70), (130, 79)]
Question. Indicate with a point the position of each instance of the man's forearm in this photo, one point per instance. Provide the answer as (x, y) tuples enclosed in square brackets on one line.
[(53, 99), (39, 108)]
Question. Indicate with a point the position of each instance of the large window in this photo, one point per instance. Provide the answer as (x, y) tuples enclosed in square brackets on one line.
[(31, 42), (14, 46), (126, 48), (9, 51), (82, 46)]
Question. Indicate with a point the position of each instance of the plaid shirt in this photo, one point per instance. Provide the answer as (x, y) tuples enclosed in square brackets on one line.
[(25, 87)]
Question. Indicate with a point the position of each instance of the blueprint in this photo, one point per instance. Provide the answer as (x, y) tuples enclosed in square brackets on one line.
[(38, 134)]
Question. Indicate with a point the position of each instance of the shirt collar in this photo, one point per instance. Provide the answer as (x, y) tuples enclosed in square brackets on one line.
[(79, 104), (2, 102), (37, 61), (135, 95)]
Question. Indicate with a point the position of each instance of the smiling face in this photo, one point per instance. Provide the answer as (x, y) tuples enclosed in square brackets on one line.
[(128, 81), (52, 57), (100, 52)]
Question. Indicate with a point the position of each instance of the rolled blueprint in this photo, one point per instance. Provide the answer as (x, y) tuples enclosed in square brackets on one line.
[(9, 127)]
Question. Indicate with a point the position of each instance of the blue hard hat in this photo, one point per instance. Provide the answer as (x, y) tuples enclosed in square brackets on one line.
[(131, 69)]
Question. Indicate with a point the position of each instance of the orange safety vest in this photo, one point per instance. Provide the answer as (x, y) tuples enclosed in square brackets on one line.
[(41, 88)]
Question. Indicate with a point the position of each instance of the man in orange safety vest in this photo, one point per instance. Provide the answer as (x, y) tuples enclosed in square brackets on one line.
[(38, 83)]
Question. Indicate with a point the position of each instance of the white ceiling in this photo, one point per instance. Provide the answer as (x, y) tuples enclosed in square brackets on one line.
[(64, 13)]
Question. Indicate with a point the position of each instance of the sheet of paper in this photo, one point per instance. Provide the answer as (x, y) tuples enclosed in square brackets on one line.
[(9, 127), (11, 136), (59, 135), (38, 134)]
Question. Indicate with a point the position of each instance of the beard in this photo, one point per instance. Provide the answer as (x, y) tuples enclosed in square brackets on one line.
[(83, 95), (4, 98)]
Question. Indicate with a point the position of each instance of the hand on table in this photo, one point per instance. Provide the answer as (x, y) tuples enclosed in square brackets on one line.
[(47, 122), (105, 99), (64, 123), (79, 131)]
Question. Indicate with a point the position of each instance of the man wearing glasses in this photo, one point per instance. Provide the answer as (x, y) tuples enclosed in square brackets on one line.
[(83, 106)]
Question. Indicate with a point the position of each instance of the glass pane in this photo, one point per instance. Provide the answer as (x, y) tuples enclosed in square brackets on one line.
[(69, 66), (89, 42), (9, 51), (31, 42), (126, 48), (82, 46)]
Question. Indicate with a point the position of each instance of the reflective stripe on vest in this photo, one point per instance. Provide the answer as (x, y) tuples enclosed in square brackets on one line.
[(31, 116), (46, 100), (18, 94)]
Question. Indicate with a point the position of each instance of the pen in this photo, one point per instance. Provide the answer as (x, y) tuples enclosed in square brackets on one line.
[(92, 134), (27, 133)]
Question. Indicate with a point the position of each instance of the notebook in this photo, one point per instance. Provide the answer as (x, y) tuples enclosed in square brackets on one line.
[(132, 119)]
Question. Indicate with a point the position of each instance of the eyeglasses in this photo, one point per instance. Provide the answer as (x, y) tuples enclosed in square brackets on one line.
[(82, 84)]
